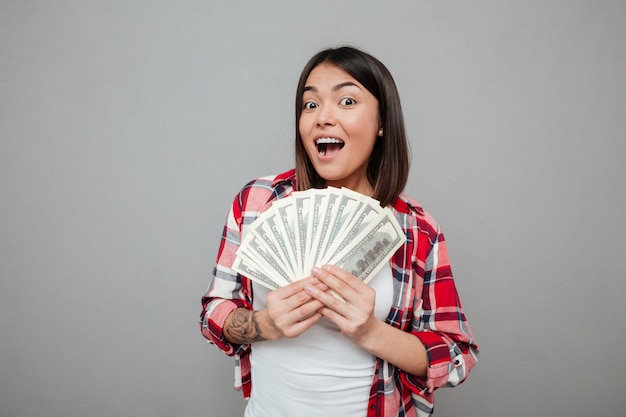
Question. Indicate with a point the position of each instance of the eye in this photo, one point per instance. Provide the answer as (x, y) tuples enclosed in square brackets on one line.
[(347, 101), (309, 105)]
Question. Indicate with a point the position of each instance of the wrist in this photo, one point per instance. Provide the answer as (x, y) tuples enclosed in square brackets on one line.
[(266, 328), (370, 339)]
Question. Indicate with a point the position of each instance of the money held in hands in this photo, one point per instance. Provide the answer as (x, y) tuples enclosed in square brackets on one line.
[(315, 227)]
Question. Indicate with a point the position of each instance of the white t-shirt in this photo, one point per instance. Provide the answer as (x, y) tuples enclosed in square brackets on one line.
[(320, 372)]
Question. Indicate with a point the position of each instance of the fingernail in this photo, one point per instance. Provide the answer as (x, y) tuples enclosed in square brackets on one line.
[(309, 289)]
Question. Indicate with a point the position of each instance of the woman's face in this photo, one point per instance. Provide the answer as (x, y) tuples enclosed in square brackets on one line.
[(339, 126)]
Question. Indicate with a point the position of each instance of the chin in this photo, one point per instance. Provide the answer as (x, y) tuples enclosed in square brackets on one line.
[(328, 176)]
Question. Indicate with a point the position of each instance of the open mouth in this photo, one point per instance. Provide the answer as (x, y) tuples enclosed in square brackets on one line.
[(328, 146)]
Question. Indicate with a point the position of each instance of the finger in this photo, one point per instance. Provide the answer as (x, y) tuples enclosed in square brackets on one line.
[(352, 320), (343, 275), (361, 294), (298, 328), (294, 322), (307, 309), (291, 296), (293, 288), (291, 303), (337, 280), (328, 300)]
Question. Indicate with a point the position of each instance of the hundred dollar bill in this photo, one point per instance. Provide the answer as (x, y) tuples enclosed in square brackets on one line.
[(252, 272), (267, 260), (314, 227), (286, 222), (316, 211), (301, 201), (268, 230), (372, 248), (346, 206), (359, 222), (318, 238)]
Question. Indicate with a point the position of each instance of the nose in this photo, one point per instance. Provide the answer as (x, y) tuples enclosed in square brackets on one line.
[(326, 116)]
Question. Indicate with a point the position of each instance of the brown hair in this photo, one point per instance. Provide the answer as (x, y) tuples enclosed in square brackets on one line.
[(388, 166)]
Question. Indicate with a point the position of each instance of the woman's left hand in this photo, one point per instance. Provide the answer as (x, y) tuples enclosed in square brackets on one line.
[(355, 319), (354, 316)]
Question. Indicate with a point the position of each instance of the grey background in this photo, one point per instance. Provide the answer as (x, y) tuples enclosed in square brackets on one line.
[(126, 127)]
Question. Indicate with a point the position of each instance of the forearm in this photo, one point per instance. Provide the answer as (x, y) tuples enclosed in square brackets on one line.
[(402, 349), (244, 326)]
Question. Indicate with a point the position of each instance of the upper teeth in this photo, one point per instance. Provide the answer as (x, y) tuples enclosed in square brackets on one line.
[(328, 140)]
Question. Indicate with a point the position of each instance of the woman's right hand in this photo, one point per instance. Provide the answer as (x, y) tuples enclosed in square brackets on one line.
[(289, 312)]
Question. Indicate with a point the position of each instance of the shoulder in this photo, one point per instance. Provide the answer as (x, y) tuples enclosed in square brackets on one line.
[(260, 192), (284, 180), (411, 214)]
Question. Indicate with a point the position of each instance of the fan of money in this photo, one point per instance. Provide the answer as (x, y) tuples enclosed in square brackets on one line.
[(315, 227)]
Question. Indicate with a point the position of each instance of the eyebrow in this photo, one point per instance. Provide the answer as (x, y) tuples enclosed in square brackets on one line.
[(335, 88)]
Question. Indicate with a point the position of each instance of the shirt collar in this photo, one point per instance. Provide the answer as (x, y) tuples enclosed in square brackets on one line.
[(405, 204)]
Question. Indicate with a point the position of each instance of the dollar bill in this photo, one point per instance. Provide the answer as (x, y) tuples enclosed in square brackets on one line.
[(318, 239), (257, 251), (317, 207), (252, 272), (359, 222), (372, 248), (314, 227), (301, 202), (348, 204), (267, 228), (286, 221)]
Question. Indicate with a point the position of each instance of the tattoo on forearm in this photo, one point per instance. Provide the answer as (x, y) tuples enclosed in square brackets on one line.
[(243, 327)]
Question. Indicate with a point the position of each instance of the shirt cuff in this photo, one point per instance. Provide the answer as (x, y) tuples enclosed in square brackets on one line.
[(216, 326), (439, 364)]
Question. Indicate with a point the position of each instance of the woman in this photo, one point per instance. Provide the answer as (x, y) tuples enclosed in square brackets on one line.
[(385, 348)]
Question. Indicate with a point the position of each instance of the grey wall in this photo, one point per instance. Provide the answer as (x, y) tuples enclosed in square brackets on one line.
[(126, 127)]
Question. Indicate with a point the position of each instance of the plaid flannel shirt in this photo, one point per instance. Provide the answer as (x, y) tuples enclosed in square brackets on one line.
[(425, 303)]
